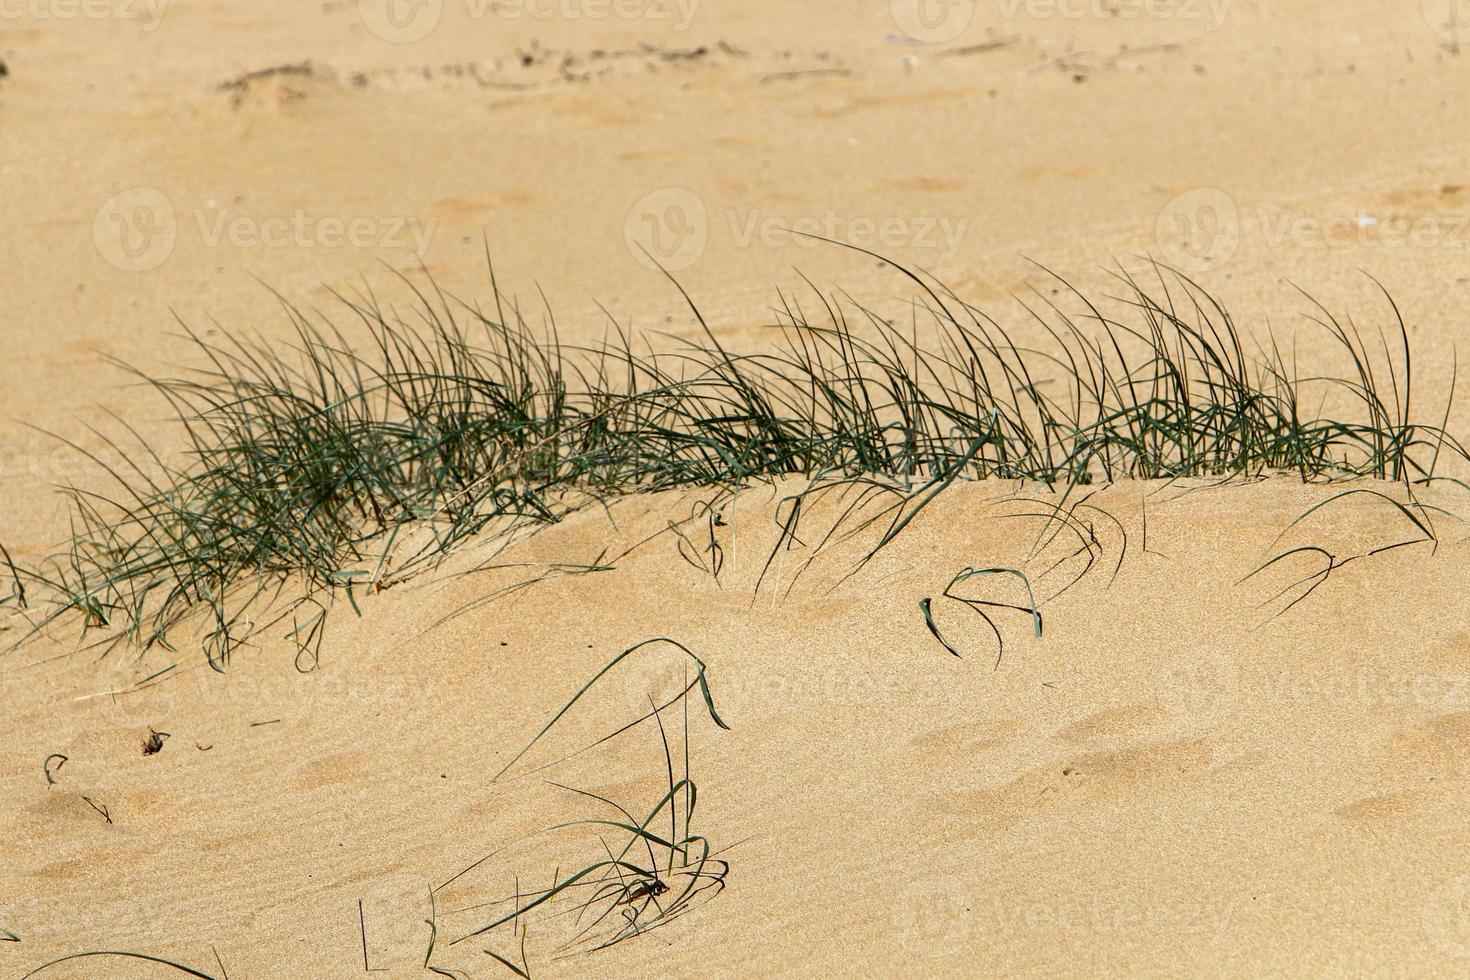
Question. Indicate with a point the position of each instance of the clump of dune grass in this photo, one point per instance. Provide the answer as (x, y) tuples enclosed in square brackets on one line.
[(320, 469)]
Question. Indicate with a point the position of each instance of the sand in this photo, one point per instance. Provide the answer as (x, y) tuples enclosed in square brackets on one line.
[(1169, 780)]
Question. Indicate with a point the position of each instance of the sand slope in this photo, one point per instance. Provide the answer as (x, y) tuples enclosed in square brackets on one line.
[(1168, 780)]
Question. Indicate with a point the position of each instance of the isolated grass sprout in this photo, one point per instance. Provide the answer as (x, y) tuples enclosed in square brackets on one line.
[(320, 470)]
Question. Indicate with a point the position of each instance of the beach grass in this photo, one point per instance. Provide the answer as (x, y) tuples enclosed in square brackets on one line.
[(320, 470)]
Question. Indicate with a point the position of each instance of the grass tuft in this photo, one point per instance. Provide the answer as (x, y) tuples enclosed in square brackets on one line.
[(319, 470)]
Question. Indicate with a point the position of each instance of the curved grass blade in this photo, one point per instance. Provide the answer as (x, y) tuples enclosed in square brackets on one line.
[(700, 680)]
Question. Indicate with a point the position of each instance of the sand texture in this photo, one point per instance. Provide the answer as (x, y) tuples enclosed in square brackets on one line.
[(1178, 775)]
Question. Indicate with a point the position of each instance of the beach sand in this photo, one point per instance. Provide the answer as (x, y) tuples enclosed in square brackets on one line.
[(1170, 779)]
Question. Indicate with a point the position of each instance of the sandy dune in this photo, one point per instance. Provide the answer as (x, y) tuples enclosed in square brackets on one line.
[(1171, 778)]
